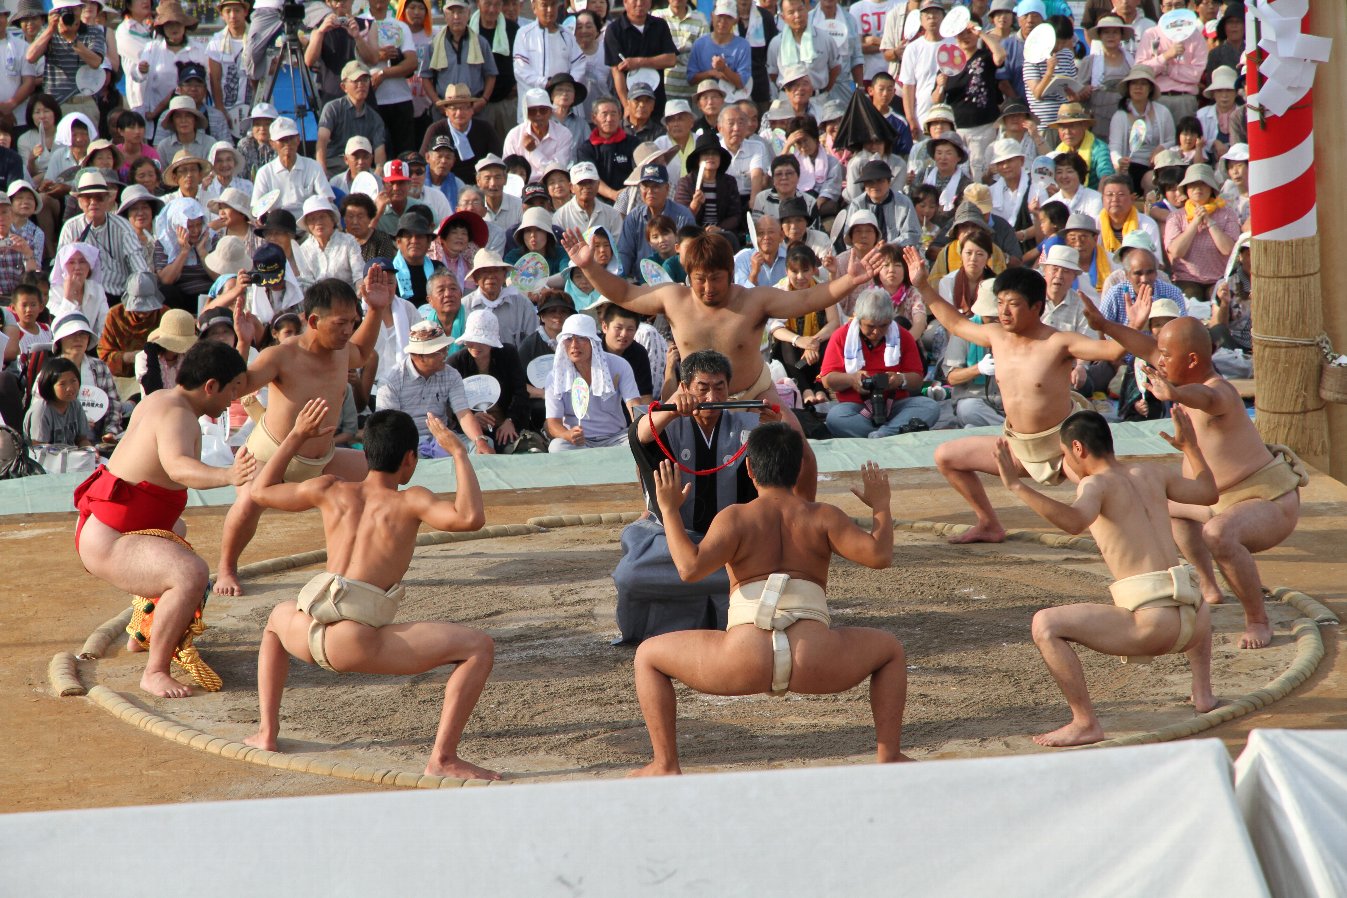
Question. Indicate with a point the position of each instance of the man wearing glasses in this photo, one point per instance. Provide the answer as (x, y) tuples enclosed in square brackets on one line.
[(350, 116), (538, 138)]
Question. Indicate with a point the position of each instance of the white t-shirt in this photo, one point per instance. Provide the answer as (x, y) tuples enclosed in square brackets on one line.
[(393, 33), (869, 17), (919, 69), (14, 66), (227, 51)]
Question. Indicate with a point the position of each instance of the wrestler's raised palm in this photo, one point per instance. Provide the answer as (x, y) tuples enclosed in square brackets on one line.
[(243, 322), (444, 436), (1093, 317), (874, 490), (867, 266), (309, 421), (243, 469), (1183, 430), (916, 266), (670, 491), (1139, 312), (574, 243), (1160, 386), (378, 288)]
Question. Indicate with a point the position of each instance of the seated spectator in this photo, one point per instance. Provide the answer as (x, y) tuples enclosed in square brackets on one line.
[(57, 169), (432, 199), (501, 209), (654, 191), (473, 137), (970, 372), (860, 235), (1010, 190), (412, 266), (1069, 187), (329, 252), (233, 211), (350, 116), (794, 218), (76, 286), (17, 254), (874, 367), (1133, 145), (611, 149), (186, 173), (960, 287), (1121, 216), (553, 310), (156, 365), (639, 121), (569, 108), (483, 353), (55, 416), (535, 235), (421, 384), (590, 392), (1064, 311), (471, 199), (1081, 233), (762, 265), (360, 213), (296, 177), (183, 127), (1200, 238), (749, 157), (460, 236), (272, 287), (1223, 122), (799, 342), (192, 84), (821, 175), (976, 210), (1192, 142), (1140, 269), (129, 324), (23, 211), (894, 212), (514, 313), (619, 327), (226, 172), (440, 175), (948, 156), (710, 99), (540, 139), (584, 211), (72, 339), (1235, 190), (256, 147), (357, 156), (444, 304), (1073, 125), (785, 186), (662, 235), (180, 252)]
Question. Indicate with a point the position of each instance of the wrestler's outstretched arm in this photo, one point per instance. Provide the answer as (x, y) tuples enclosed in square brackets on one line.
[(269, 490), (1092, 349), (1200, 489), (641, 300), (1141, 345), (946, 314), (721, 543), (465, 512), (1073, 518), (798, 303), (873, 549), (176, 442)]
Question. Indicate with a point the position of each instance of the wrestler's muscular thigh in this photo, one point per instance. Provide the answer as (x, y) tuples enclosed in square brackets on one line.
[(971, 454), (737, 662), (1255, 524), (140, 565), (1109, 629), (829, 661), (401, 649), (291, 626)]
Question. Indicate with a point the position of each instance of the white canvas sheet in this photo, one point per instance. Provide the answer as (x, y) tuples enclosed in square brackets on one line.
[(1292, 788), (1155, 820)]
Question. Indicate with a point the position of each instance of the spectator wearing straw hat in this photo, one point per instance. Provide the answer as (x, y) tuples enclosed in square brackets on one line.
[(1200, 237), (422, 383), (185, 174), (473, 138), (157, 68), (157, 363), (1073, 126), (350, 116), (119, 248), (483, 352), (296, 177), (514, 313), (1140, 127), (1178, 66)]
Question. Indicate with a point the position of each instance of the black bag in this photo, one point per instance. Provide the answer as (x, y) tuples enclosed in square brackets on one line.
[(15, 458)]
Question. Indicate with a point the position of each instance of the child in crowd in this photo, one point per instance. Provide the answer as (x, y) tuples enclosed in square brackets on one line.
[(56, 417), (662, 235), (131, 127), (907, 300), (1135, 400), (926, 200), (27, 304), (534, 235), (674, 264), (882, 90), (1052, 217), (799, 342), (1192, 144)]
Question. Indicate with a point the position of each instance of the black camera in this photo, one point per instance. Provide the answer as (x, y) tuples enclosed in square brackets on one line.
[(877, 385), (292, 11), (69, 18)]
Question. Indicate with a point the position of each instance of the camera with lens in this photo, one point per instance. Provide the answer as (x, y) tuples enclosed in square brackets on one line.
[(292, 12), (876, 385), (69, 17)]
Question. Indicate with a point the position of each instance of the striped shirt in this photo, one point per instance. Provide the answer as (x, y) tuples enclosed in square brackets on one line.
[(406, 390), (685, 33), (1045, 108), (63, 62), (120, 252)]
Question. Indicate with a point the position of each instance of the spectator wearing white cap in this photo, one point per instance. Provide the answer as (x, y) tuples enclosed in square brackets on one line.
[(501, 209), (255, 146), (514, 313), (483, 353), (722, 55), (686, 27), (1235, 189), (358, 156), (350, 116), (459, 55), (329, 252), (296, 177), (421, 382), (1064, 311), (583, 211), (587, 391), (542, 49), (539, 138)]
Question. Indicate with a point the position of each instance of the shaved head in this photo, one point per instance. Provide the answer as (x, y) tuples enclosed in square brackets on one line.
[(1185, 351)]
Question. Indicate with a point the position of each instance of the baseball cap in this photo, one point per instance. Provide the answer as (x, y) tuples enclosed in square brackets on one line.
[(654, 173), (191, 71), (444, 142), (353, 70), (1024, 7), (584, 171), (536, 96), (268, 265), (726, 8), (489, 160), (635, 92), (875, 170), (979, 195), (676, 107), (357, 143), (395, 170), (283, 127)]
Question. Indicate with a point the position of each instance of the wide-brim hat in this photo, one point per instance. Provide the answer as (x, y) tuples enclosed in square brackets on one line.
[(1222, 78), (230, 256), (91, 180), (232, 198), (68, 325), (581, 92), (456, 94), (1073, 113), (558, 301), (427, 338), (172, 11), (176, 331), (1111, 22), (645, 154), (1063, 256), (1164, 308), (104, 144), (1006, 148), (478, 232), (277, 220), (984, 306), (482, 326), (1201, 173), (1014, 107), (1079, 221), (28, 9), (136, 193), (224, 146), (579, 325), (318, 204), (1140, 73), (533, 217), (968, 213), (485, 260), (939, 112), (185, 157), (953, 139), (186, 104), (707, 143), (1169, 158)]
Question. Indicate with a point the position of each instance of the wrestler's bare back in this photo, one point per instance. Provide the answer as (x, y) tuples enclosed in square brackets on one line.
[(371, 530), (1132, 528), (301, 370), (1230, 442), (163, 421), (780, 534)]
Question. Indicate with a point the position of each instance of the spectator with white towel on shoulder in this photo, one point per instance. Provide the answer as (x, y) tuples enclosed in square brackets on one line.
[(588, 390)]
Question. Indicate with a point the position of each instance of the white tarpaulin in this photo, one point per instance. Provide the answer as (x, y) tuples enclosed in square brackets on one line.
[(1156, 820), (1292, 788)]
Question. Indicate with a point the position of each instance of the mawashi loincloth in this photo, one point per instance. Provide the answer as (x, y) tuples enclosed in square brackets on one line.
[(127, 507), (774, 605), (329, 598), (1286, 472), (1041, 453), (186, 654), (760, 386), (263, 446), (1173, 588)]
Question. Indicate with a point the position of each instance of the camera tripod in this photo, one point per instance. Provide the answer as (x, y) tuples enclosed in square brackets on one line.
[(303, 92)]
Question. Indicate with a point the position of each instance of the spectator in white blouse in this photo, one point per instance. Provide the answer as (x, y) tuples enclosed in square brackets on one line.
[(329, 252)]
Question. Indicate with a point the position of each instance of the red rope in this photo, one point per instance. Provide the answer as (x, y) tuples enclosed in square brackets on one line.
[(684, 468)]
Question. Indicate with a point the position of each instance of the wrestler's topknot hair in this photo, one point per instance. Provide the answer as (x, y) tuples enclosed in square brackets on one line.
[(210, 360), (323, 295), (1091, 429), (1024, 281), (709, 252), (389, 435), (775, 452)]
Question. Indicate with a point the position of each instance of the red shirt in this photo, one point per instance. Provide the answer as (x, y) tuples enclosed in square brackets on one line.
[(874, 360)]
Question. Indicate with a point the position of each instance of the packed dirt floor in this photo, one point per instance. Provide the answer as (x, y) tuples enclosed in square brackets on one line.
[(560, 703)]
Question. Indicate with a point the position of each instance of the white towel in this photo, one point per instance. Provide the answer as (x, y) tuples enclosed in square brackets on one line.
[(564, 373), (853, 358)]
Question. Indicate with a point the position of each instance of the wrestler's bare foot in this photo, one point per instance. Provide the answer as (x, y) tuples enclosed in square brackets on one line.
[(655, 768), (227, 584), (133, 645), (1256, 635), (1072, 734), (1214, 597), (461, 769), (891, 758), (1205, 702), (262, 741), (980, 533), (164, 686)]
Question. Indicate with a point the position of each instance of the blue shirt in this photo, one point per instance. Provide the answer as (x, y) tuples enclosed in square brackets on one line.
[(768, 276), (632, 245), (1012, 69), (737, 53), (1115, 301)]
